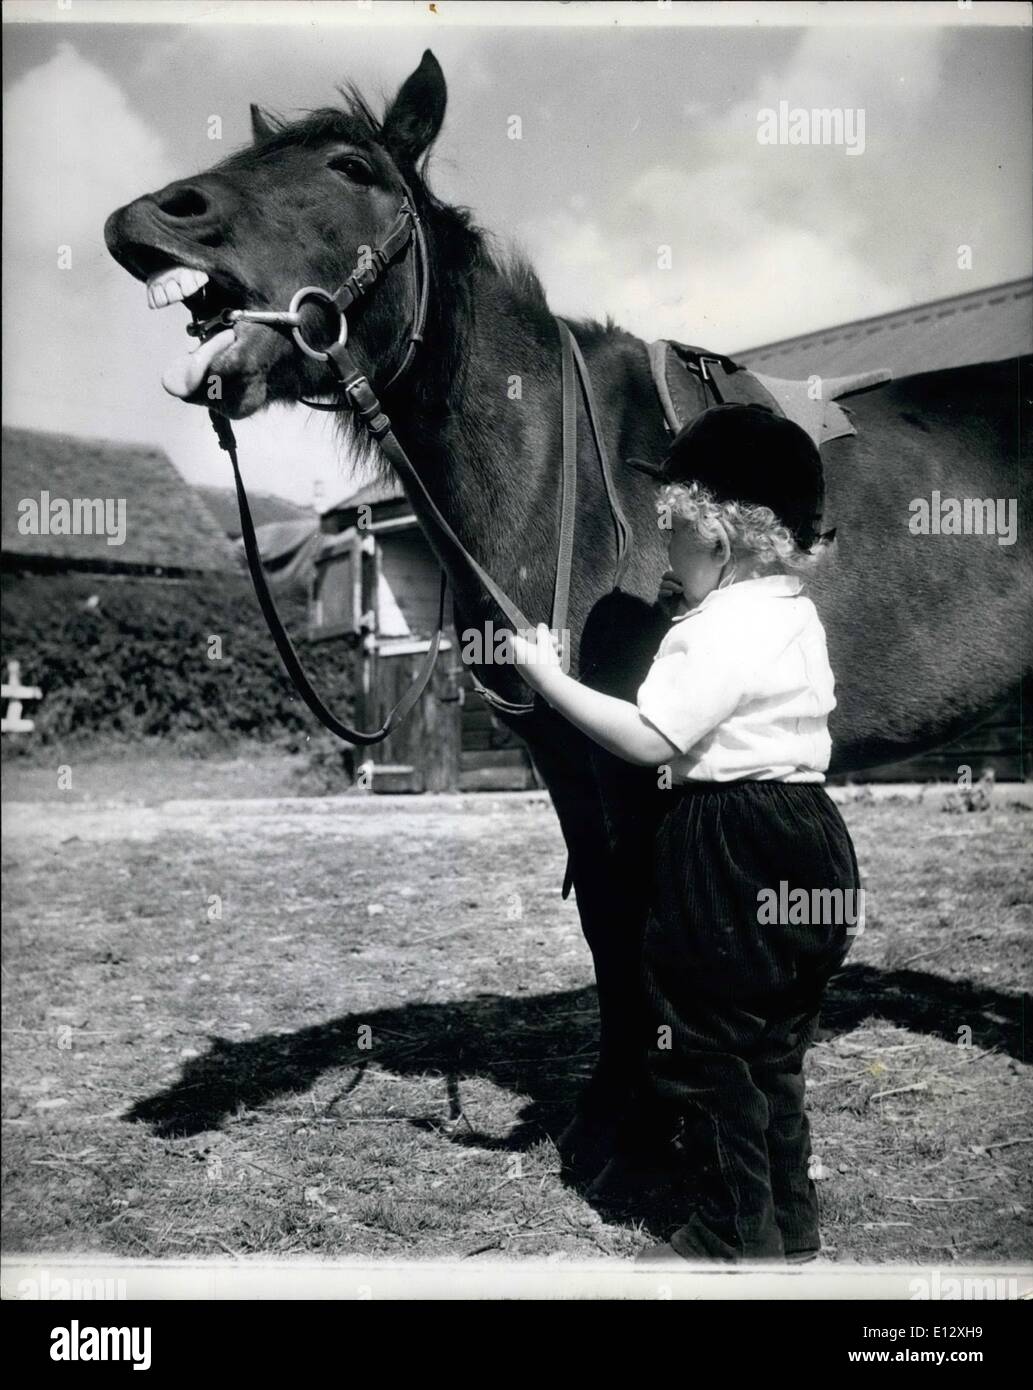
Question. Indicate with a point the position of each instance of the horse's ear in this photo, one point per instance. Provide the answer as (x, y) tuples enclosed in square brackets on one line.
[(261, 126), (416, 113)]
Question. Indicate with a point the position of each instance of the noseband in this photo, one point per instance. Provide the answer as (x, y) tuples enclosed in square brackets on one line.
[(408, 228)]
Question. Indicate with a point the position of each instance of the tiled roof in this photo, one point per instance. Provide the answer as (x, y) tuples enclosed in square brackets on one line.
[(266, 507), (167, 526), (984, 326)]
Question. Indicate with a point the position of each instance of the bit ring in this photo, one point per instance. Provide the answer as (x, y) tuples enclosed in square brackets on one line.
[(299, 298)]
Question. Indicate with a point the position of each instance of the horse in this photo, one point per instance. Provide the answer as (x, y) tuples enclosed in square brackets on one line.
[(926, 632)]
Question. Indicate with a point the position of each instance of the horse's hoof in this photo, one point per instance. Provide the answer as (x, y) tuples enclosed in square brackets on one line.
[(587, 1145), (629, 1180)]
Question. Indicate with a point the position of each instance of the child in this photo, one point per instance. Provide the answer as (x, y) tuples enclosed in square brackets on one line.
[(735, 708)]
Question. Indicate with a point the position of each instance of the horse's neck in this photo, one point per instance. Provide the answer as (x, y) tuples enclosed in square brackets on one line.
[(491, 461)]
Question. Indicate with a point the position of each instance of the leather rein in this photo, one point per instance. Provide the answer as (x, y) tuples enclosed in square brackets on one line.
[(407, 231)]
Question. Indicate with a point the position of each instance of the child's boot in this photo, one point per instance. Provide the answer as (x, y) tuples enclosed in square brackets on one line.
[(734, 1220)]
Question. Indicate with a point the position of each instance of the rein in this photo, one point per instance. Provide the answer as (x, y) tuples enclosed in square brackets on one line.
[(361, 399)]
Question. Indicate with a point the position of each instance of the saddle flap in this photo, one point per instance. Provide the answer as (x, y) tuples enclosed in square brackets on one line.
[(680, 385), (823, 419), (678, 373)]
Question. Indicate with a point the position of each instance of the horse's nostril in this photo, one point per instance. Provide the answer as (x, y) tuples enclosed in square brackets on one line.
[(183, 202)]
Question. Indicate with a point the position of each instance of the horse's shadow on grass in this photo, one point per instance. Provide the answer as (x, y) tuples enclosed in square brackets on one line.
[(541, 1048)]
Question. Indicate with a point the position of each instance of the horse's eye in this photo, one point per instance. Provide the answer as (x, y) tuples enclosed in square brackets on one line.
[(352, 167)]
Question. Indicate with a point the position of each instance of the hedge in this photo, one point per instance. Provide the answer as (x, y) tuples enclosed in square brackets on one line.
[(128, 659)]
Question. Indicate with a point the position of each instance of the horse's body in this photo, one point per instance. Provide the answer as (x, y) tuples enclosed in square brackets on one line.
[(926, 633)]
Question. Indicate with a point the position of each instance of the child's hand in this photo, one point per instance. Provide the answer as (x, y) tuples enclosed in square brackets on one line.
[(672, 594), (538, 655)]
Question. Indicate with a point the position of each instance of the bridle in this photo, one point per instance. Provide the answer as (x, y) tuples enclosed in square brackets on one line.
[(407, 227), (407, 231)]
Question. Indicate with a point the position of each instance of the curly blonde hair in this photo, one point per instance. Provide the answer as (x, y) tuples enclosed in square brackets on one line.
[(753, 532)]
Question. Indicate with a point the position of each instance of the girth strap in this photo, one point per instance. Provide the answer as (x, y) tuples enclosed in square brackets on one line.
[(620, 521), (731, 384), (568, 496)]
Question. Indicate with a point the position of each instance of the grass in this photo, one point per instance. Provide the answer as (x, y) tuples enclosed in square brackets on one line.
[(350, 1026)]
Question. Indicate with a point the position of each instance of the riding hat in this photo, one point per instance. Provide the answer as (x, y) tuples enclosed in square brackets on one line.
[(747, 453)]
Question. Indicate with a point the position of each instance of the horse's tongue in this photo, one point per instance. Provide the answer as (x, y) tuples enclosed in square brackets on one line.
[(182, 377)]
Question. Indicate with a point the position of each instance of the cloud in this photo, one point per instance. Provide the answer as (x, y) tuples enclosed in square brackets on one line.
[(899, 68), (74, 150), (738, 275), (766, 242)]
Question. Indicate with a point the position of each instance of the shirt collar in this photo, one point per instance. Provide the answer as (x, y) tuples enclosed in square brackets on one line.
[(769, 586)]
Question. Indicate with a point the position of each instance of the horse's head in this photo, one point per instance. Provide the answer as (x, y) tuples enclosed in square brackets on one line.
[(300, 206)]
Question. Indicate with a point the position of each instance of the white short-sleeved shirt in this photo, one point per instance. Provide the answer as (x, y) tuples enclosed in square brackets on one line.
[(742, 686)]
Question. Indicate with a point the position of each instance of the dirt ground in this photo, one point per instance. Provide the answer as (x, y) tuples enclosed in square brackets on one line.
[(238, 1021)]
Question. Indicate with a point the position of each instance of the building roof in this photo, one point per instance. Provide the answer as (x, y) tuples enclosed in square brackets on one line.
[(266, 508), (278, 540), (167, 526), (986, 325), (379, 490), (288, 550)]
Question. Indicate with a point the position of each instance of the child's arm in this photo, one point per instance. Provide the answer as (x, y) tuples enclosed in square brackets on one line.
[(615, 724)]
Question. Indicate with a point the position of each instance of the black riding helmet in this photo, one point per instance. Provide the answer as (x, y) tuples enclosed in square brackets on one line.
[(746, 453)]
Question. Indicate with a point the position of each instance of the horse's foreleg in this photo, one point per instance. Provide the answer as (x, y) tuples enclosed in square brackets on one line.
[(609, 856)]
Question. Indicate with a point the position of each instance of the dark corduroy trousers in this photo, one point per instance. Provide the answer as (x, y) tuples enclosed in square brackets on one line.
[(732, 1000)]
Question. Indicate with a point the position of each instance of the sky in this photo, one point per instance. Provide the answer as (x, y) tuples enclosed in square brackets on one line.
[(639, 132)]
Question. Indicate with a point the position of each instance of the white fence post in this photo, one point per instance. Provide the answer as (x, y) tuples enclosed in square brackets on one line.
[(14, 693)]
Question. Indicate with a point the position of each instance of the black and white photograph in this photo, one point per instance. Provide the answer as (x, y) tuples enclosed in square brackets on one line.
[(517, 646)]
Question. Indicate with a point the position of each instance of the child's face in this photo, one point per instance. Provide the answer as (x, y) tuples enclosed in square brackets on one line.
[(695, 563)]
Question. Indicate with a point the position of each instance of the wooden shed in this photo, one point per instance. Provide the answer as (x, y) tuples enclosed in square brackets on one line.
[(375, 591)]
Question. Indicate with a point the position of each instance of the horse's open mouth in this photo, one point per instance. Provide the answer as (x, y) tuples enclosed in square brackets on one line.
[(223, 366), (205, 295)]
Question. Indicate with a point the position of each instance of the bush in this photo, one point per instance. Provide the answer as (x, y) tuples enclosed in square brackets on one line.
[(130, 659)]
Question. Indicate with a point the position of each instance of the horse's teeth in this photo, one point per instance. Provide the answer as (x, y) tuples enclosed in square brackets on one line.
[(174, 285)]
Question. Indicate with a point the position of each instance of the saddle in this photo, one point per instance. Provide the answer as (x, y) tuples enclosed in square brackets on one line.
[(683, 375)]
